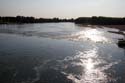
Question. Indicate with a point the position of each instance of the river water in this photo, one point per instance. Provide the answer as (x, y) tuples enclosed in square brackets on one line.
[(60, 53)]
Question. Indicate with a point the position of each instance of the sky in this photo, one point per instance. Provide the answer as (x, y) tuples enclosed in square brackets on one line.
[(62, 8)]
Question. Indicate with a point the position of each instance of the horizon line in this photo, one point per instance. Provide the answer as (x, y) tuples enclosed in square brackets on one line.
[(64, 17)]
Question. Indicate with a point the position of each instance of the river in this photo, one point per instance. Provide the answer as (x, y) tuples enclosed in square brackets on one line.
[(60, 53)]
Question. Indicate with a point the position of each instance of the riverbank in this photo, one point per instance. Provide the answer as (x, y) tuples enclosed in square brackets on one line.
[(120, 27)]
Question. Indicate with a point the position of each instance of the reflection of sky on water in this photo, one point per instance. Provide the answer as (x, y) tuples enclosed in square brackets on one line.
[(62, 31), (57, 52), (93, 64), (91, 34), (91, 72)]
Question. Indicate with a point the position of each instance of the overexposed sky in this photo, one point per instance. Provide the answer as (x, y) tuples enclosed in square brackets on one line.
[(62, 8)]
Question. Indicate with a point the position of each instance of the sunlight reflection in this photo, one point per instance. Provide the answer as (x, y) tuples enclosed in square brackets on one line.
[(91, 73), (90, 34), (89, 65), (94, 35)]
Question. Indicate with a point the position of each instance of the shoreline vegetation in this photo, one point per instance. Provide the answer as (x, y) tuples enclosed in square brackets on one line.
[(94, 20), (23, 19)]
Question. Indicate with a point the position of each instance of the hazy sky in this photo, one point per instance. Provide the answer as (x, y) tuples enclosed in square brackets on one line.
[(62, 8)]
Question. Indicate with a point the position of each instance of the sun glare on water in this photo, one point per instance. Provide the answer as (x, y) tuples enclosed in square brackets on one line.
[(91, 73), (94, 35), (90, 34), (92, 64)]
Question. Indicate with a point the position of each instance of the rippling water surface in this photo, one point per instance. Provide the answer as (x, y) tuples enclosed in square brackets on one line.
[(60, 53)]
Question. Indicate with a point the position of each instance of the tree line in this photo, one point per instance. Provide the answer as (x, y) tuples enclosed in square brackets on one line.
[(23, 19), (94, 20), (100, 20)]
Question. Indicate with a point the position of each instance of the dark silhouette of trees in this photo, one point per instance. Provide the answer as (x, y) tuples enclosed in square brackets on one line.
[(81, 20), (100, 20), (22, 19)]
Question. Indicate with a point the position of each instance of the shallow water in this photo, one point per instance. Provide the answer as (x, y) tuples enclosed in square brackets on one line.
[(60, 53)]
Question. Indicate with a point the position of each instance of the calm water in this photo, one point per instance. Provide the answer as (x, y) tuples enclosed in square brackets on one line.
[(60, 53)]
